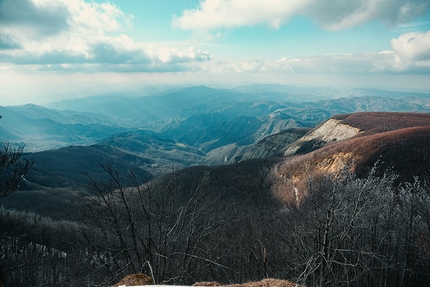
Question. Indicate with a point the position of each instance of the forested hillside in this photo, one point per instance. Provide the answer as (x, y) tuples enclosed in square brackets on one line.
[(224, 190)]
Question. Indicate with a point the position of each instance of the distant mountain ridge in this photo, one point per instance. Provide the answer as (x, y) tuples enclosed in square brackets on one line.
[(176, 113), (192, 126), (39, 128), (273, 170)]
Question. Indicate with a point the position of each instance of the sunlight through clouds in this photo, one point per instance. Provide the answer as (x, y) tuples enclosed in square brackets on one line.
[(214, 39)]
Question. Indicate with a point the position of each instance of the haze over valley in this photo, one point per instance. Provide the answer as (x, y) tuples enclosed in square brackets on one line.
[(189, 126), (226, 143)]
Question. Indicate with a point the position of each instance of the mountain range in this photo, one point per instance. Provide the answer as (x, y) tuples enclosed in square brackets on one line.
[(217, 130), (224, 185)]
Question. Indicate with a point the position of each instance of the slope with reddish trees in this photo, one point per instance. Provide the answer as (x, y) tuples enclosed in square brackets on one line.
[(377, 122), (397, 142)]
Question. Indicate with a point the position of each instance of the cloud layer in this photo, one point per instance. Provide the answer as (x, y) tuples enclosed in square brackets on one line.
[(79, 35), (34, 19), (330, 14), (410, 54), (74, 36)]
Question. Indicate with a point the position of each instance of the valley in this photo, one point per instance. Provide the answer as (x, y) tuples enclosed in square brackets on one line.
[(227, 143), (235, 184)]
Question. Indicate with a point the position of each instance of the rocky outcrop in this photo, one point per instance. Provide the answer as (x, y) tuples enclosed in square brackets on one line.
[(330, 131)]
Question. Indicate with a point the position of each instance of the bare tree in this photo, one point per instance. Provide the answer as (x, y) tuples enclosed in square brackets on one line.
[(12, 171), (12, 168), (155, 229), (338, 234), (356, 232)]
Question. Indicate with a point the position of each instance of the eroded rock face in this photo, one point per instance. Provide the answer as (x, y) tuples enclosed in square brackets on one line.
[(330, 131)]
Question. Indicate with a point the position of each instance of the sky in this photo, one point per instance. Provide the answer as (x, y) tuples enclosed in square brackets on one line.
[(60, 49)]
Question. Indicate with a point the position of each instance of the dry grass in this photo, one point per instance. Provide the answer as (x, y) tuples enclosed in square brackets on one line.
[(206, 283), (135, 280), (142, 279), (262, 283)]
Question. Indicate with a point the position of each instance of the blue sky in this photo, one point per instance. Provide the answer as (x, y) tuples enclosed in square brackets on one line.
[(59, 49)]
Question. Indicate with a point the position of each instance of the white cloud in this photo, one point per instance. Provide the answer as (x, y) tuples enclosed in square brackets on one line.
[(410, 54), (413, 47), (223, 13), (330, 14), (77, 35), (92, 37)]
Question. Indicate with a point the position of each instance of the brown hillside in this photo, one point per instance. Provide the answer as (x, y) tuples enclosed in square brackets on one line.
[(342, 127), (245, 185), (377, 122), (261, 185), (404, 151)]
